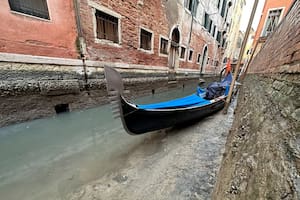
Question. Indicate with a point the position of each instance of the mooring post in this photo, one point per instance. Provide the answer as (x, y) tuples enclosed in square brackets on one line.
[(237, 69)]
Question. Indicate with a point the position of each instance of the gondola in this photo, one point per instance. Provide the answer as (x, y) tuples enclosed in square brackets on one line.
[(139, 119)]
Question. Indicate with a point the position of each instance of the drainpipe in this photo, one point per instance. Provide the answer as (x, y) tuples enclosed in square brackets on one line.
[(80, 41), (191, 27)]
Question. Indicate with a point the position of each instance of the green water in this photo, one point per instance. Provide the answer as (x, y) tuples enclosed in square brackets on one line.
[(48, 158)]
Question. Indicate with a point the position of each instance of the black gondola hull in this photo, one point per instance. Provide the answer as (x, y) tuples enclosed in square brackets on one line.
[(139, 121)]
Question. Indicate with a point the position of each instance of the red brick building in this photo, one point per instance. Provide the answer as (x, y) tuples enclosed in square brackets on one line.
[(177, 34), (182, 34)]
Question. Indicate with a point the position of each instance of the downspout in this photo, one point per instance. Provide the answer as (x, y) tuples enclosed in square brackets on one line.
[(80, 42), (191, 27)]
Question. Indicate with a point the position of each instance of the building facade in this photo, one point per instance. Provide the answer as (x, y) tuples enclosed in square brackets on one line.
[(177, 34), (234, 35), (272, 14), (40, 28), (182, 34)]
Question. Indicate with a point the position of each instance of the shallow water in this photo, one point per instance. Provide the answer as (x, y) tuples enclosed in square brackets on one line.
[(48, 158)]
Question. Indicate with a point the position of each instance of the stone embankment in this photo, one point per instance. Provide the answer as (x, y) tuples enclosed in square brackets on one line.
[(262, 156), (33, 87)]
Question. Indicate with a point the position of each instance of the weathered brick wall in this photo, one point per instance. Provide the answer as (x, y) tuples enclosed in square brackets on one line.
[(157, 16), (261, 160), (281, 52), (149, 15)]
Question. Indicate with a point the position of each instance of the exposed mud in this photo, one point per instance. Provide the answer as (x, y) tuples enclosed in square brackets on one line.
[(177, 164)]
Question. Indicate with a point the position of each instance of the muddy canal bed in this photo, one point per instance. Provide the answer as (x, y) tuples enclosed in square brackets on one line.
[(180, 163), (88, 155)]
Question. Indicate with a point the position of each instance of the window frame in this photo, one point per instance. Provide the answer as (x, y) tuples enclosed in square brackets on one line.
[(198, 58), (30, 15), (168, 45), (266, 19), (151, 51), (190, 59), (107, 11), (187, 5), (184, 57)]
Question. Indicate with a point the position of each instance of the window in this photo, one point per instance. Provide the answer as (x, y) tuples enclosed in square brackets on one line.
[(207, 22), (219, 3), (145, 40), (272, 21), (219, 37), (210, 26), (190, 55), (182, 53), (192, 6), (223, 8), (107, 27), (213, 31), (207, 60), (189, 4), (37, 8), (216, 63), (198, 58), (239, 42), (163, 46)]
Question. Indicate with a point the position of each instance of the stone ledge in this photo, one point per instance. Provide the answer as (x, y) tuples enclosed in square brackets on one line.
[(59, 87)]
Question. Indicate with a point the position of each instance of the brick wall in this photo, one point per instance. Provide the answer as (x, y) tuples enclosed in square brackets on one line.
[(281, 52), (153, 15)]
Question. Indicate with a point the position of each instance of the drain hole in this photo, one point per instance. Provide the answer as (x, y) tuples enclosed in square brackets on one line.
[(62, 108)]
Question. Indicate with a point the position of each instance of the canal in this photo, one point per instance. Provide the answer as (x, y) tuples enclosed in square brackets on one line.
[(49, 158)]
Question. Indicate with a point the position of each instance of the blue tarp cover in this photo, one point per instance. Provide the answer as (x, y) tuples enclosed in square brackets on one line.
[(188, 101)]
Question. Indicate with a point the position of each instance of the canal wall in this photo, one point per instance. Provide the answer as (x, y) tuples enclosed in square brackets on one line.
[(33, 86), (261, 160)]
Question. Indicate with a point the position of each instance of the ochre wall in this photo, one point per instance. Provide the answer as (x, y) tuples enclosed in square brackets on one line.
[(271, 4), (30, 35)]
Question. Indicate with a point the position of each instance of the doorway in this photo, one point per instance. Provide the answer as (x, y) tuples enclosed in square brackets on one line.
[(174, 49)]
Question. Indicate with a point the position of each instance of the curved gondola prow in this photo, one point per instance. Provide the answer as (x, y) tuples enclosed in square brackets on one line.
[(115, 90), (114, 80)]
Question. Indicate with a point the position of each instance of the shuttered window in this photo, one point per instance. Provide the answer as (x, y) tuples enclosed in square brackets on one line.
[(37, 8), (207, 21), (107, 27), (145, 40), (219, 36), (223, 8)]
